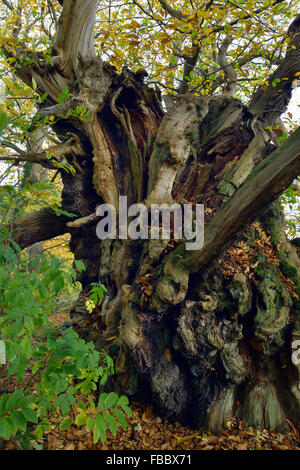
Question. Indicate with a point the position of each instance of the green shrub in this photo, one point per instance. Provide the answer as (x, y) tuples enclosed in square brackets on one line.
[(60, 364)]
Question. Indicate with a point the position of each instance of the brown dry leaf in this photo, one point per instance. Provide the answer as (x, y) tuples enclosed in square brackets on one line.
[(166, 446), (69, 446), (53, 442), (81, 446), (111, 338), (148, 413), (212, 439), (242, 446), (282, 447)]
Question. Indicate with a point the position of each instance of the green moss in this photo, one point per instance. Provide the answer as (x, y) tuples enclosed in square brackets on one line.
[(273, 306), (272, 221), (262, 409), (226, 188), (288, 270), (242, 295)]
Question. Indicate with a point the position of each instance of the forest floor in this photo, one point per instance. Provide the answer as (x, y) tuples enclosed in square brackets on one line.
[(147, 430)]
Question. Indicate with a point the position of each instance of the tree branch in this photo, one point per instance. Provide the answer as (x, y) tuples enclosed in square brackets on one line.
[(189, 65), (264, 184), (75, 38), (172, 11), (269, 103), (38, 226), (46, 75), (229, 71), (8, 4), (57, 153)]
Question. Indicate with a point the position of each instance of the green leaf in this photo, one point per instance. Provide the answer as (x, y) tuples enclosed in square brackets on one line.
[(92, 404), (111, 400), (21, 368), (101, 402), (18, 419), (3, 401), (121, 418), (4, 429), (89, 424), (96, 433), (102, 427), (30, 415), (25, 401), (80, 265), (126, 410), (82, 405), (14, 399), (65, 424), (275, 81), (111, 422), (64, 404), (12, 426), (80, 419), (123, 400), (4, 120)]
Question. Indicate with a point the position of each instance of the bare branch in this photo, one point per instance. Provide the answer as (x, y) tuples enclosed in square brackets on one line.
[(172, 11), (32, 158), (8, 4), (46, 75), (83, 221), (230, 73), (18, 23), (50, 157)]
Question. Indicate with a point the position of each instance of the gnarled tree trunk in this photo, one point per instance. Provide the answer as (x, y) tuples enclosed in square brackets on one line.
[(205, 335)]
